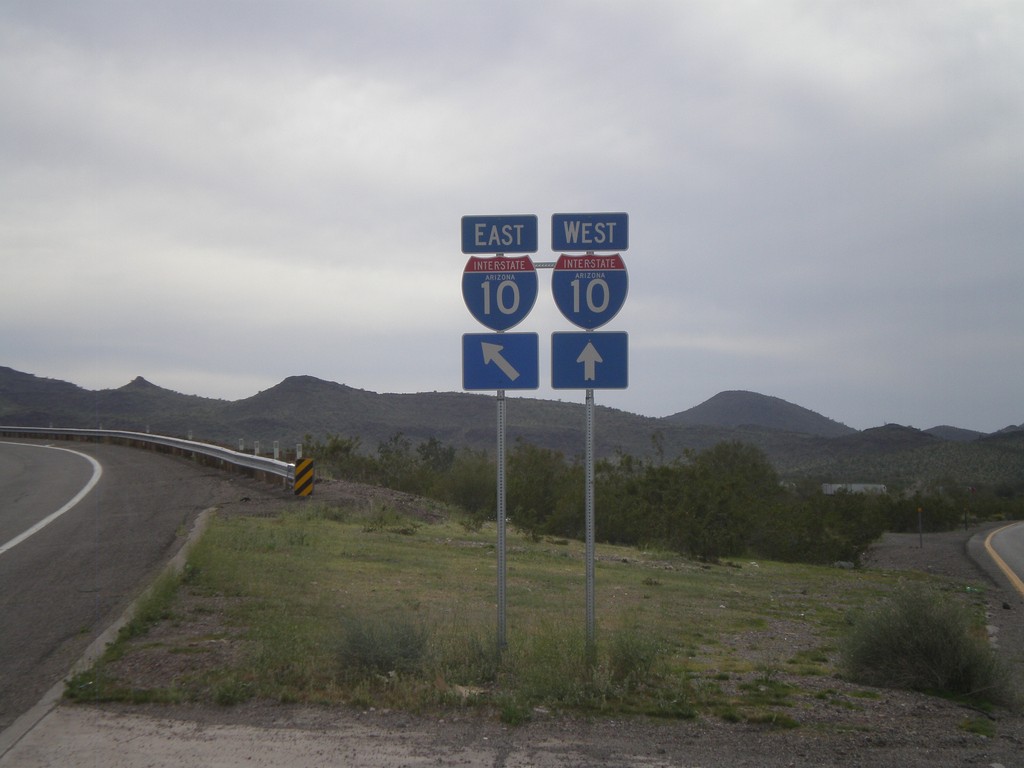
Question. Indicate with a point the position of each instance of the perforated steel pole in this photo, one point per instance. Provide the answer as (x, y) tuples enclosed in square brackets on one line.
[(589, 520), (501, 520)]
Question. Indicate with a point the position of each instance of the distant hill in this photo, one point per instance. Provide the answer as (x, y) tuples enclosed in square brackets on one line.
[(886, 439), (32, 399), (955, 433), (906, 457), (1011, 428), (304, 405), (800, 443), (1011, 439), (739, 408)]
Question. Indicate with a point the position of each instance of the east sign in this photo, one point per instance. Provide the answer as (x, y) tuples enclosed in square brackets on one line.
[(499, 234)]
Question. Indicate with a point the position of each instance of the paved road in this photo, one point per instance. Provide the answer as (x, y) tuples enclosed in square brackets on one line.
[(1008, 545), (36, 481), (63, 585)]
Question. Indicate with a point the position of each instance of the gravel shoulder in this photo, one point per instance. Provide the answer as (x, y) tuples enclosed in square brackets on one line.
[(960, 555), (837, 729)]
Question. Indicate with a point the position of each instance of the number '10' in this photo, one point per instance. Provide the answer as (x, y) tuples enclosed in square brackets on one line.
[(506, 296), (592, 305)]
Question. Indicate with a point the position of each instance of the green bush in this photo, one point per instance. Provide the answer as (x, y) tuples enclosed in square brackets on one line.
[(340, 457), (470, 484), (921, 640), (552, 666), (382, 645), (632, 657), (549, 666), (464, 656)]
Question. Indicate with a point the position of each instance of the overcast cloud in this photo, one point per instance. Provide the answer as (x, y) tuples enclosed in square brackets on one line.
[(826, 199)]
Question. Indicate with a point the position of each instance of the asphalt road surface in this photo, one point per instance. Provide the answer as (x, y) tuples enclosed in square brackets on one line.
[(65, 583), (1008, 544), (36, 482)]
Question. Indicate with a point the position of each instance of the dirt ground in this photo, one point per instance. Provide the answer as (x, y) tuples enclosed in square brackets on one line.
[(837, 729), (960, 555)]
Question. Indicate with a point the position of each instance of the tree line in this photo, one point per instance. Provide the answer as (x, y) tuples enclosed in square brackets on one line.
[(726, 501)]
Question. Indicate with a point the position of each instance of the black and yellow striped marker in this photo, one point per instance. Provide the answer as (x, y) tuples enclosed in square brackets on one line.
[(303, 477)]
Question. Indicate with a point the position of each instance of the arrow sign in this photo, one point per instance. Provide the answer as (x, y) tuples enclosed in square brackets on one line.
[(590, 360), (492, 354), (500, 361), (590, 357)]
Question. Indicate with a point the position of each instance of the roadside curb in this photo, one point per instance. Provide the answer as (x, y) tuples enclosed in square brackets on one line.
[(978, 551), (1004, 629), (17, 730)]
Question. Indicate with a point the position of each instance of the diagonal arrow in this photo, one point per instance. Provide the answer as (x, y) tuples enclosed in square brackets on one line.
[(492, 354), (590, 357)]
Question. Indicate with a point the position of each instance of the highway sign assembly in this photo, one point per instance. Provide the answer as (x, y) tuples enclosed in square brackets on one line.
[(590, 360), (499, 234), (499, 361), (590, 289), (590, 232), (499, 291)]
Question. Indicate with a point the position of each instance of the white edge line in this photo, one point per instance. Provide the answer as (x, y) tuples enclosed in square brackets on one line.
[(14, 733), (97, 473)]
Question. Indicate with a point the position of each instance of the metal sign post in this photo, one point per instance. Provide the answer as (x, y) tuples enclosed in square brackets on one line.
[(589, 524), (589, 290), (499, 292), (502, 559)]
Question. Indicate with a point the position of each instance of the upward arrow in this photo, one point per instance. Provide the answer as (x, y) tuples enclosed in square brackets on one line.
[(590, 357), (492, 354)]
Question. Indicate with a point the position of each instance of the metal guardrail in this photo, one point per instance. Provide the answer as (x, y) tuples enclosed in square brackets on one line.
[(256, 464)]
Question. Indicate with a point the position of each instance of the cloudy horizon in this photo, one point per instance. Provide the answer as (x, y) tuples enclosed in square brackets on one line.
[(824, 199)]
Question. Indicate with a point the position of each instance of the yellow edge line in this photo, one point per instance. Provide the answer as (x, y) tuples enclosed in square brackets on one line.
[(1013, 577)]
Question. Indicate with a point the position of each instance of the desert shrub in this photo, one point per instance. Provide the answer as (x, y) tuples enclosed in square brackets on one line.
[(339, 456), (921, 640), (463, 656), (381, 645), (632, 655), (544, 491), (470, 484), (548, 665), (398, 466), (725, 488), (553, 666)]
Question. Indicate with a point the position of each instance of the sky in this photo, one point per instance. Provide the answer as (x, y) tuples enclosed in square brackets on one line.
[(825, 198)]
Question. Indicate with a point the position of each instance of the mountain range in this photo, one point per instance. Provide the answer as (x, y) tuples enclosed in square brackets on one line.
[(800, 443)]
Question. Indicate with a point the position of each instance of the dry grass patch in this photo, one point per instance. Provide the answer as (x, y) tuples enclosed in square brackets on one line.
[(365, 608)]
